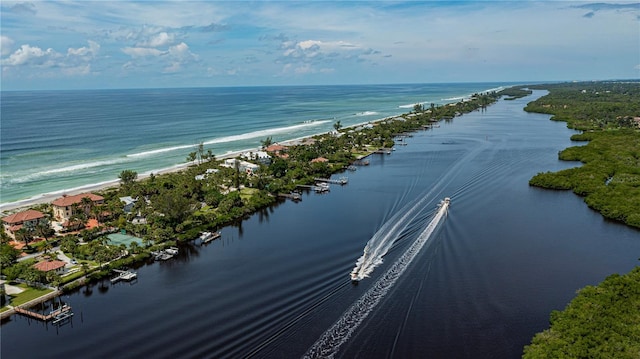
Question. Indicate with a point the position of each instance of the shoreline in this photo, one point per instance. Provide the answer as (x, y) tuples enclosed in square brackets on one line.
[(23, 204), (47, 197)]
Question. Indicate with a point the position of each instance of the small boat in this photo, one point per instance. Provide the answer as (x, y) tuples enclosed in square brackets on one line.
[(207, 237), (124, 275), (171, 250), (321, 187), (163, 256)]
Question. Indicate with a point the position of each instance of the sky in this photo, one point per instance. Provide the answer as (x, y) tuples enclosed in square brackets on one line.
[(154, 44)]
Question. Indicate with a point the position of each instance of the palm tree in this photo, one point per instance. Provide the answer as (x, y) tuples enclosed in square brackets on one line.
[(43, 229), (78, 217), (86, 204), (337, 125), (236, 165), (200, 152), (266, 142), (23, 235), (135, 248), (47, 246), (96, 211)]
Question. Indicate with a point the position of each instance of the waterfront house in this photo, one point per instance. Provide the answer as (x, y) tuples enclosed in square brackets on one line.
[(243, 166), (16, 221), (260, 156), (47, 266), (278, 150), (64, 207), (128, 202)]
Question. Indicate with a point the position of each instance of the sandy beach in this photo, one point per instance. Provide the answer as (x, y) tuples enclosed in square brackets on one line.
[(7, 208)]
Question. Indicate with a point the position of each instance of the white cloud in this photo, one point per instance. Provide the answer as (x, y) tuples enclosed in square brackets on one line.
[(137, 52), (32, 55), (84, 51), (158, 40), (179, 50), (5, 45)]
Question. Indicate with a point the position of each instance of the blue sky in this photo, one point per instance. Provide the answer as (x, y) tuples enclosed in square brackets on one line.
[(142, 44)]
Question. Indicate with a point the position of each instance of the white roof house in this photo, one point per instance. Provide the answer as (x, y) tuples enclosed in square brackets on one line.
[(243, 165)]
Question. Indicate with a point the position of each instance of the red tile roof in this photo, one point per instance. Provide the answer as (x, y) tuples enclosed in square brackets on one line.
[(20, 217), (319, 159), (275, 148), (49, 266), (69, 200)]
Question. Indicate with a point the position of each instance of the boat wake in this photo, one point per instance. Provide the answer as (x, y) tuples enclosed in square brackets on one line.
[(384, 238), (328, 344)]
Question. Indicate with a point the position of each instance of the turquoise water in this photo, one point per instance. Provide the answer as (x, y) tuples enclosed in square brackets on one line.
[(55, 141)]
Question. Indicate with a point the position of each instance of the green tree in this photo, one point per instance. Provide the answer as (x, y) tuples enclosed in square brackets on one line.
[(278, 167), (128, 178), (8, 255), (266, 142), (24, 235), (337, 126), (78, 217), (4, 237), (43, 229), (174, 206), (135, 247), (200, 152)]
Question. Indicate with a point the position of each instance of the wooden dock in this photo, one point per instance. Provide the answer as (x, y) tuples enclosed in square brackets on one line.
[(318, 189), (124, 275), (384, 151), (340, 181), (292, 196), (61, 313)]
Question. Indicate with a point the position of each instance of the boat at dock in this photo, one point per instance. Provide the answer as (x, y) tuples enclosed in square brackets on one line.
[(165, 254), (124, 275), (206, 237), (162, 256), (321, 187), (171, 250)]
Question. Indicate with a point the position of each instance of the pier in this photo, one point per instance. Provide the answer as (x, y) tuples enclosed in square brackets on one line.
[(292, 196), (340, 181), (59, 314), (319, 188), (384, 151), (124, 275), (206, 237)]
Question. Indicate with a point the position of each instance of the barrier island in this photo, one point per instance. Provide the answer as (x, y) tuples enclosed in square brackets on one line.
[(165, 209)]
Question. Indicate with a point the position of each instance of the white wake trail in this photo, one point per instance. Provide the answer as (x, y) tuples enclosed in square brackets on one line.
[(329, 343), (382, 241)]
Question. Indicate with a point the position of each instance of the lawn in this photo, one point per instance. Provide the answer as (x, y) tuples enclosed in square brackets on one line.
[(28, 294)]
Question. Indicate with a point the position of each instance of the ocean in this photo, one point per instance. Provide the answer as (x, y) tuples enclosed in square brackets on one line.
[(58, 141)]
